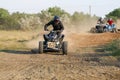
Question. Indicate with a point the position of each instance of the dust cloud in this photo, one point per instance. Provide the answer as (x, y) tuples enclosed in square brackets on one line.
[(72, 35)]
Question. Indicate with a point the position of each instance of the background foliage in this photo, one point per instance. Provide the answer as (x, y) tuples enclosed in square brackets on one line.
[(115, 14), (25, 21)]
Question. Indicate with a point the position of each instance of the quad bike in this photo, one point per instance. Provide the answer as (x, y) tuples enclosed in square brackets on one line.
[(111, 28), (54, 44), (100, 28)]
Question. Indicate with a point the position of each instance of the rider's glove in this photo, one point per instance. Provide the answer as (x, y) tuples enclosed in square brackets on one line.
[(46, 30)]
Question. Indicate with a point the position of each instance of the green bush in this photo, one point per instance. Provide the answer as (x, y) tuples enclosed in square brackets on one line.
[(114, 47), (115, 14)]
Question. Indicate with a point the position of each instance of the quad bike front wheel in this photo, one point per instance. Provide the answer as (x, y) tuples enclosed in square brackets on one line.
[(40, 47), (65, 47)]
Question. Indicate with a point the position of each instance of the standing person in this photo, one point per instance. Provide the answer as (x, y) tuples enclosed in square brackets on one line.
[(57, 26)]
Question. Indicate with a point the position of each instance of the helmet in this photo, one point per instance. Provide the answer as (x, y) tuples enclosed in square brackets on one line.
[(109, 18), (56, 18), (100, 18)]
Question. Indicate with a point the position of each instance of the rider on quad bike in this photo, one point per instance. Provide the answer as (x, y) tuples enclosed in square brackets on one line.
[(111, 26), (57, 26), (100, 21), (100, 27)]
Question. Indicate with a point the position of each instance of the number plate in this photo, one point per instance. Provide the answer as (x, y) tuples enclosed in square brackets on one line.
[(51, 44)]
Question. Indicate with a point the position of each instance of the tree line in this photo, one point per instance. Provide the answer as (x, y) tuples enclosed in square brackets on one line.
[(25, 21)]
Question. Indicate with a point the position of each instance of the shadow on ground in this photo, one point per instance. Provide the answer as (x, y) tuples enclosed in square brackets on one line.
[(33, 51), (16, 51), (101, 58)]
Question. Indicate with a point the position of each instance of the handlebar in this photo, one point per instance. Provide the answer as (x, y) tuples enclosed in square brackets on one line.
[(54, 31)]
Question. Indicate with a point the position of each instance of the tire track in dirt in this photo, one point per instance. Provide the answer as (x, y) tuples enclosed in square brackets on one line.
[(11, 65), (78, 64), (67, 67)]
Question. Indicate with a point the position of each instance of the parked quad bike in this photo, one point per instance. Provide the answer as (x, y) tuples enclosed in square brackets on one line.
[(54, 44)]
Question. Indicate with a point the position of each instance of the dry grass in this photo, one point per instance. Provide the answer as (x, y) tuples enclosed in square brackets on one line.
[(118, 24), (16, 39)]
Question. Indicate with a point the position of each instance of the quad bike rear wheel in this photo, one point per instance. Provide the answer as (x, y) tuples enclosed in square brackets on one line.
[(93, 30), (40, 47), (65, 47), (114, 30)]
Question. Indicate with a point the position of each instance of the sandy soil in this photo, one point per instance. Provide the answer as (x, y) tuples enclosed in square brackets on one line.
[(85, 61)]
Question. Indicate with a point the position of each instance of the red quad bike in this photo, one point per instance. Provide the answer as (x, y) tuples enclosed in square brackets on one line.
[(54, 44)]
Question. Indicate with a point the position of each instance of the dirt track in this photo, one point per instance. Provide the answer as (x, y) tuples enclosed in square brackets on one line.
[(82, 63)]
